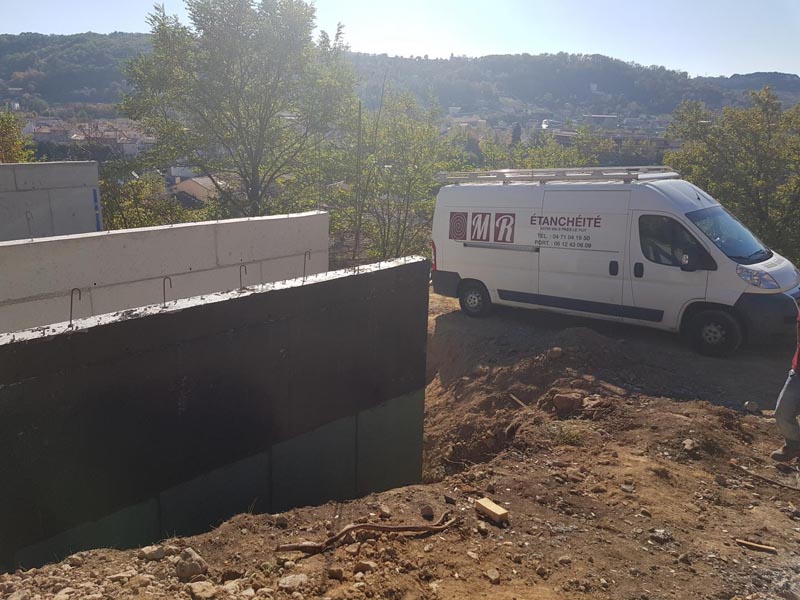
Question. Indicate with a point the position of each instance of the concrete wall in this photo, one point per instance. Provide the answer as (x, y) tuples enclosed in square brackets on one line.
[(46, 199), (123, 269), (161, 421)]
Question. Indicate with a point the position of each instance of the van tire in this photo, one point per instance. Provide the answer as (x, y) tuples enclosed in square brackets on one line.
[(474, 299), (715, 333)]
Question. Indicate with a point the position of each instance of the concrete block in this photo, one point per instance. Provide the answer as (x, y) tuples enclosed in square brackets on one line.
[(315, 467), (197, 505), (13, 218), (73, 210), (22, 315), (248, 240), (54, 175), (129, 527), (122, 296), (390, 444), (100, 259), (7, 181), (124, 269)]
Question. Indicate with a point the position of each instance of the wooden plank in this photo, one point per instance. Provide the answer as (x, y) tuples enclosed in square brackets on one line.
[(492, 511), (759, 547)]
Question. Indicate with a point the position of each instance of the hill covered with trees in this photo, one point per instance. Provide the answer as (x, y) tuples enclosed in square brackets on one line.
[(84, 67), (87, 67)]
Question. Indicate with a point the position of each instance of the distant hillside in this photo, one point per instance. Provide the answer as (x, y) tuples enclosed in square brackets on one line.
[(68, 68), (87, 68), (560, 83)]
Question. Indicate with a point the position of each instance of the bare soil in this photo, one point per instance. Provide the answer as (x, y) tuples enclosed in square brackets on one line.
[(625, 461)]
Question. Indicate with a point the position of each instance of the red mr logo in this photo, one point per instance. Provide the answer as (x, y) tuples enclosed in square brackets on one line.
[(481, 227), (504, 227)]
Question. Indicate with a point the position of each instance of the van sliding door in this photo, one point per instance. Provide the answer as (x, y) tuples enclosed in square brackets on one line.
[(582, 235)]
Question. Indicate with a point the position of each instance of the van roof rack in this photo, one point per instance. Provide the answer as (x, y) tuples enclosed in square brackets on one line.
[(625, 174)]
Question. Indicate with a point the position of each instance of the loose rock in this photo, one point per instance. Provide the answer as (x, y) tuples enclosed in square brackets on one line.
[(661, 536), (281, 521), (365, 566), (152, 553), (291, 583), (122, 576), (189, 564), (566, 404), (493, 575), (202, 590), (690, 445), (426, 511)]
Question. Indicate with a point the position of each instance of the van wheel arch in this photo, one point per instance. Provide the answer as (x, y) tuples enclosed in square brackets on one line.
[(696, 307), (692, 321), (474, 298)]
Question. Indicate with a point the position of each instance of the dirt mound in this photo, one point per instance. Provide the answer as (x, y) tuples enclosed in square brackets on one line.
[(479, 415)]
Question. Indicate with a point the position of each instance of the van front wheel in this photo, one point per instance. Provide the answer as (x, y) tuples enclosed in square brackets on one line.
[(474, 299), (716, 333)]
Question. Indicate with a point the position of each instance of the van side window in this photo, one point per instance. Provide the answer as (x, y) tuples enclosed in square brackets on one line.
[(665, 241)]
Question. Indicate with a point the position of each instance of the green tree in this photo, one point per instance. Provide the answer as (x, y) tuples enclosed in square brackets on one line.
[(130, 200), (409, 150), (242, 93), (14, 146), (749, 159)]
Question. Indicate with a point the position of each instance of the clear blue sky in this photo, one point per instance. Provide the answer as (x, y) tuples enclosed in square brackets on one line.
[(703, 37)]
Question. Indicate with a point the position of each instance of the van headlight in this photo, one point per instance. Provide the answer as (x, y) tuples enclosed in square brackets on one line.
[(760, 279)]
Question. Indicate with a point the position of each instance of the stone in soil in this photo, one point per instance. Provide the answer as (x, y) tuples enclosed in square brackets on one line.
[(426, 511), (202, 590), (493, 575), (661, 536), (365, 566), (291, 583), (190, 564), (152, 553), (566, 404)]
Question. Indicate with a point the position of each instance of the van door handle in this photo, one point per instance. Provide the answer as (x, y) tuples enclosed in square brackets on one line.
[(613, 268), (638, 270)]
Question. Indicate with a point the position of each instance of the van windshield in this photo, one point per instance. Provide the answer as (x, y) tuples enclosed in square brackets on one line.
[(729, 235)]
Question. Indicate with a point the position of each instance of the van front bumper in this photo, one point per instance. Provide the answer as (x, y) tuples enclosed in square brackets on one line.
[(769, 317)]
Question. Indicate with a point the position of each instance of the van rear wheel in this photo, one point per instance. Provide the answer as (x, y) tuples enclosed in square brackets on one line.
[(474, 299), (716, 333)]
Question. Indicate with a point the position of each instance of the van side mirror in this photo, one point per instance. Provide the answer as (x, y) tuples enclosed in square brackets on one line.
[(702, 261), (688, 263)]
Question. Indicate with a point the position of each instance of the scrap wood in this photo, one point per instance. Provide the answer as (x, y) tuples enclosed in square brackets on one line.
[(518, 401), (759, 547), (492, 511), (317, 547), (768, 480)]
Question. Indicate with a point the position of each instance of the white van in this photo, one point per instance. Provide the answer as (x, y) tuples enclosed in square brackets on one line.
[(630, 244)]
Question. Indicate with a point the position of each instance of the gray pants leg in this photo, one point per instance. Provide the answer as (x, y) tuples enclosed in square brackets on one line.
[(788, 408)]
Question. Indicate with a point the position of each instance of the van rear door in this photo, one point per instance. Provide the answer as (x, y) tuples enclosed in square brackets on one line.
[(582, 235), (659, 287)]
